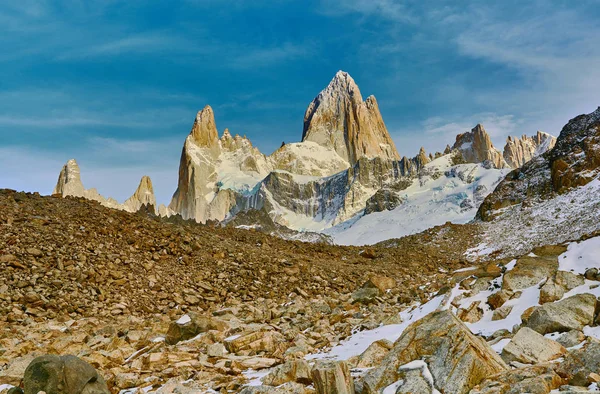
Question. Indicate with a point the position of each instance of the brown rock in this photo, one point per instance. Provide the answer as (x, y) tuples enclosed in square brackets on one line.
[(332, 378)]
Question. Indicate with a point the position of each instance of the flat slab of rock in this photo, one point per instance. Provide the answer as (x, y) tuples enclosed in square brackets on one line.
[(530, 347), (457, 359), (529, 271), (572, 313)]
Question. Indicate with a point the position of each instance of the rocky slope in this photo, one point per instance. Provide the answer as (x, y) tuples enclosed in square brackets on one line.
[(552, 197), (180, 307), (103, 284)]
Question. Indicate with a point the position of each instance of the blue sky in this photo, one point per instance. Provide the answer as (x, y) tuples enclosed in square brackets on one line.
[(116, 84)]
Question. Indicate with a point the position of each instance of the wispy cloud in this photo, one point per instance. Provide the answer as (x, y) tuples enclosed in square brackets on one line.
[(148, 43), (250, 58), (497, 126), (387, 9)]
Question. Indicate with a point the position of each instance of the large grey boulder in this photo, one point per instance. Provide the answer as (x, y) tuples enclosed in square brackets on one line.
[(62, 375), (572, 313), (530, 347), (578, 364), (457, 359), (529, 271)]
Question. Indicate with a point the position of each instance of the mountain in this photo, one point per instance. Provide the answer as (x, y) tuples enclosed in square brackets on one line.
[(143, 196), (519, 151), (69, 184), (443, 190), (338, 118), (220, 177), (344, 178), (551, 198), (476, 147)]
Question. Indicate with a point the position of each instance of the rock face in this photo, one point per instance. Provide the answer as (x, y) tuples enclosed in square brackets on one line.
[(572, 313), (144, 195), (529, 347), (69, 184), (456, 358), (69, 181), (574, 161), (519, 151), (332, 378), (476, 147), (339, 118)]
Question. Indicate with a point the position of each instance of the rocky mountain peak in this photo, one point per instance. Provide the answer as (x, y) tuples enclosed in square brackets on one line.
[(204, 131), (519, 151), (343, 84), (338, 118), (476, 147), (69, 180), (144, 195)]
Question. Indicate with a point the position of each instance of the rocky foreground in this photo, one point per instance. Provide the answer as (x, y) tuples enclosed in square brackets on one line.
[(177, 307), (105, 285)]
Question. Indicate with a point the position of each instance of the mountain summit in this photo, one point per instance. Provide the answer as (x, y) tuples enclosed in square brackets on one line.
[(338, 118)]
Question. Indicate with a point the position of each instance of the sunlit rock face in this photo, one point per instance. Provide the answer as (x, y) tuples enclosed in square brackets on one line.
[(339, 118)]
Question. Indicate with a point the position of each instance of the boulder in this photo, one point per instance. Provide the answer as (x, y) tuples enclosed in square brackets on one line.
[(286, 388), (568, 280), (374, 354), (571, 338), (551, 291), (415, 378), (457, 359), (579, 364), (258, 341), (572, 313), (292, 371), (332, 377), (365, 295), (536, 379), (529, 271), (530, 347), (62, 374), (498, 299), (191, 325), (383, 283), (473, 313)]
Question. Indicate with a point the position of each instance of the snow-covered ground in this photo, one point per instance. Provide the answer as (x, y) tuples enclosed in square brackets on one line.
[(430, 201), (577, 259), (517, 229)]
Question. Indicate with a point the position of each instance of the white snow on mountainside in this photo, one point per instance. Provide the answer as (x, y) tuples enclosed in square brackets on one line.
[(442, 193)]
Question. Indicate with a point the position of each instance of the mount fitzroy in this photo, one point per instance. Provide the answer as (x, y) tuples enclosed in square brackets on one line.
[(344, 172)]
